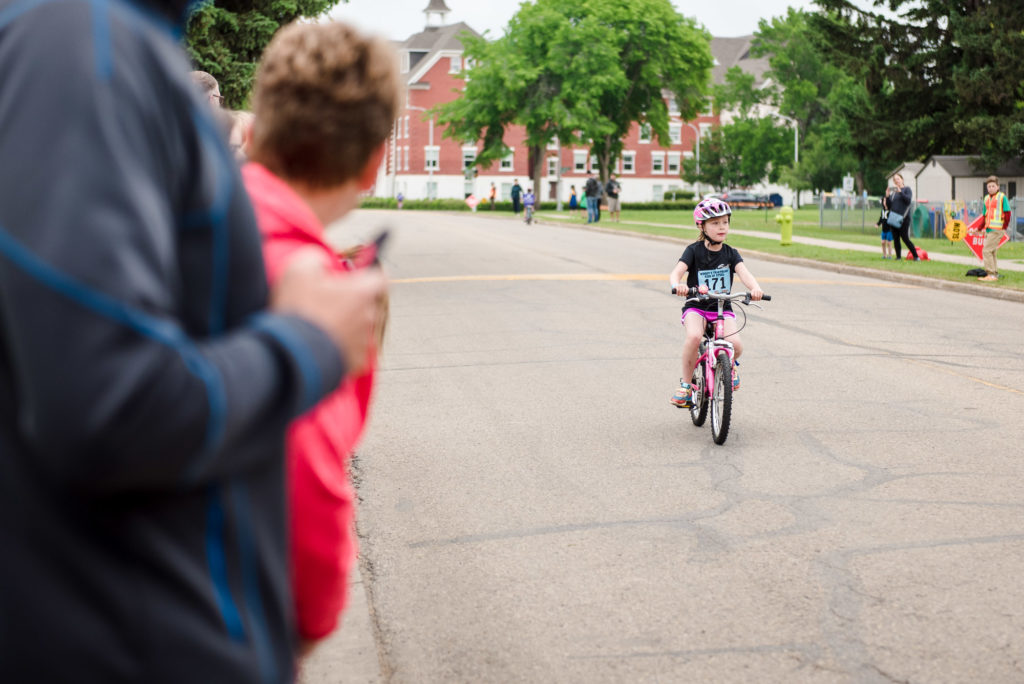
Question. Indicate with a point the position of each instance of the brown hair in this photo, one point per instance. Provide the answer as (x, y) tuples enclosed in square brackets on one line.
[(325, 99), (992, 179)]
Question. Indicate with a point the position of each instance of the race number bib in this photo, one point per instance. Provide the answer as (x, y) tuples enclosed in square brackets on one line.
[(717, 280)]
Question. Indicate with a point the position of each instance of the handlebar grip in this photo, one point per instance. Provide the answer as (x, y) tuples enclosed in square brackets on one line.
[(766, 298)]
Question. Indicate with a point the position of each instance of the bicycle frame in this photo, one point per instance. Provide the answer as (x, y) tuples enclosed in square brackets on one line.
[(714, 341), (712, 375)]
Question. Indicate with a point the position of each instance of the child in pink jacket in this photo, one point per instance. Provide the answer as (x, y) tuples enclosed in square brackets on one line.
[(324, 101)]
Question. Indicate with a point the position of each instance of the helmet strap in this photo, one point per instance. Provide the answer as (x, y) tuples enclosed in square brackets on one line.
[(706, 237)]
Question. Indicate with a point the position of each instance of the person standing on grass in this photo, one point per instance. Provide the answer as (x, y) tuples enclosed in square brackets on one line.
[(901, 201), (592, 190), (574, 201), (612, 189), (517, 191), (997, 220)]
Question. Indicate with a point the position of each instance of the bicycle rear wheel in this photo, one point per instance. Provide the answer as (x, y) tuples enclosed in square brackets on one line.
[(699, 410), (721, 399)]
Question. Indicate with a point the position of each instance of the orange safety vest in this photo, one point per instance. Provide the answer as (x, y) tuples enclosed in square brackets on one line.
[(994, 211)]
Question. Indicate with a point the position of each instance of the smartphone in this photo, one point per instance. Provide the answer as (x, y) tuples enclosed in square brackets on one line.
[(369, 256)]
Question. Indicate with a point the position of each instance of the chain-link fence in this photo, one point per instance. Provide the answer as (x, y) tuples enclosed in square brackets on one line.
[(855, 213), (928, 219)]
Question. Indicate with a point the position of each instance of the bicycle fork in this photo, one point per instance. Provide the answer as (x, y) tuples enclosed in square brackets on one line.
[(709, 348)]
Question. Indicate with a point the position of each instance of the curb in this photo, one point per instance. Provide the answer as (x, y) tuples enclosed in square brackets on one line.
[(905, 278)]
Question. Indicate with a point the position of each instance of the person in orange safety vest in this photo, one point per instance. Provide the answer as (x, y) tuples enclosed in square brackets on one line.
[(997, 219)]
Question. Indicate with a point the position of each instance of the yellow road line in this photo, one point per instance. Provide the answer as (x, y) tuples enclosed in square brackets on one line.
[(618, 276), (963, 376)]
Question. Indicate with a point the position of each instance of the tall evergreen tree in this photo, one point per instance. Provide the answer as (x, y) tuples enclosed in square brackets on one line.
[(226, 39), (942, 77)]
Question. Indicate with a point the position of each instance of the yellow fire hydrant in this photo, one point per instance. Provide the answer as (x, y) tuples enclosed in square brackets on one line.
[(785, 220)]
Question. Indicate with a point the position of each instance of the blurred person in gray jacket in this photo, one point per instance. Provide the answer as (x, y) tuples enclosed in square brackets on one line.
[(147, 375)]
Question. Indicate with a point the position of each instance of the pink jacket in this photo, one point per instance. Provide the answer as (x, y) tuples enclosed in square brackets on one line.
[(322, 535)]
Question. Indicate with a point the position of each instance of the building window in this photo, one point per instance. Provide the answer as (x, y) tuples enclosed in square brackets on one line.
[(432, 154), (673, 108), (657, 162), (552, 166), (579, 160), (406, 157), (709, 108), (705, 130), (431, 189), (406, 126), (468, 157), (467, 189), (673, 162), (629, 162), (554, 145), (688, 154), (592, 166), (508, 162), (657, 193), (506, 191), (455, 66), (645, 133), (675, 133)]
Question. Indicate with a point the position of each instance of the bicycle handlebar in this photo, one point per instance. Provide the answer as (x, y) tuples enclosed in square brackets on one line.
[(742, 297)]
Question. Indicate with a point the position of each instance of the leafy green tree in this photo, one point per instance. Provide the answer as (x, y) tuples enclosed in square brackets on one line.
[(807, 88), (649, 49), (226, 39), (532, 76), (579, 70), (742, 153)]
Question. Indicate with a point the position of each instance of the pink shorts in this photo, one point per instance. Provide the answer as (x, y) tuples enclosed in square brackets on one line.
[(709, 316)]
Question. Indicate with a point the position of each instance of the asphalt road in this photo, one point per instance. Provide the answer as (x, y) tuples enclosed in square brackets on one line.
[(533, 509)]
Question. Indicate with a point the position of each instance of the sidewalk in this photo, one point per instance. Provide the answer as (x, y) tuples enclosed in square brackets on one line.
[(968, 261), (967, 286)]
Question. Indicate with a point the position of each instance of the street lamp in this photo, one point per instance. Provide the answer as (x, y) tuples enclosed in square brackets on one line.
[(696, 133)]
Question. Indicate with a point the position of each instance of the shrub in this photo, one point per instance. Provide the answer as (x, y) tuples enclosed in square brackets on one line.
[(673, 195), (451, 204), (678, 205)]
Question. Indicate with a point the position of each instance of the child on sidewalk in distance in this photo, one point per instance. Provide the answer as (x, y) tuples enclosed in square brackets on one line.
[(887, 252), (529, 203), (708, 258), (324, 100)]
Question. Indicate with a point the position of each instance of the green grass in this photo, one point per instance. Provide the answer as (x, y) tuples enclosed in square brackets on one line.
[(680, 224)]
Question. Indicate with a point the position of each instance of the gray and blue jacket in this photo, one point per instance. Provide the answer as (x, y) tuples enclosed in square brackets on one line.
[(144, 389)]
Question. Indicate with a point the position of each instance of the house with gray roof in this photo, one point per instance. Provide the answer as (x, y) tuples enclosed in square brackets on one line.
[(942, 178)]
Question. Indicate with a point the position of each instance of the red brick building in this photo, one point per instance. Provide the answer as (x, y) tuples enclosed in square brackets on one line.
[(421, 163)]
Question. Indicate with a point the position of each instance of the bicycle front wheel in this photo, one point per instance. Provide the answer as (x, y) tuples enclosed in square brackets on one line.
[(721, 399)]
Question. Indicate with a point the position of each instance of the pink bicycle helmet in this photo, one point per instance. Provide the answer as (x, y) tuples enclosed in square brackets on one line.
[(710, 207)]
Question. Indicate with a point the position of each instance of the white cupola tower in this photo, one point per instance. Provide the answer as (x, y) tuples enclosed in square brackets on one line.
[(436, 12)]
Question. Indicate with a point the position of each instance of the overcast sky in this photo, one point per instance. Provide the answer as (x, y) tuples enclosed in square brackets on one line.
[(398, 19)]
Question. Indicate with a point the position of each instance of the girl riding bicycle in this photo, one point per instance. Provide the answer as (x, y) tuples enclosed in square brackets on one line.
[(709, 265)]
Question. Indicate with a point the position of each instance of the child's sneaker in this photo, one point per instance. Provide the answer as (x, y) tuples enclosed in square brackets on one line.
[(683, 398)]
